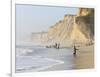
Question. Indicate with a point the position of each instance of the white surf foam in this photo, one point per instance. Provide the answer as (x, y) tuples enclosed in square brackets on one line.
[(23, 51), (36, 63)]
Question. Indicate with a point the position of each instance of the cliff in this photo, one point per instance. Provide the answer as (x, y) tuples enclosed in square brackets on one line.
[(39, 38), (73, 29), (61, 31), (83, 31)]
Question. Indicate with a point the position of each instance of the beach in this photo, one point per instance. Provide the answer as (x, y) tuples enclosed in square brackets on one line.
[(85, 57), (36, 59)]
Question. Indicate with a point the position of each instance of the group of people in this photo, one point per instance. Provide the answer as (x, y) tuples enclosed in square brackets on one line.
[(57, 45)]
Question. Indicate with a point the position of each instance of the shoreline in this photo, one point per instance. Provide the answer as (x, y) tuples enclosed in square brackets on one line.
[(85, 57)]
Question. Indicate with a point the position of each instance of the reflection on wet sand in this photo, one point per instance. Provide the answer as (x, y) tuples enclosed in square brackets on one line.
[(85, 57)]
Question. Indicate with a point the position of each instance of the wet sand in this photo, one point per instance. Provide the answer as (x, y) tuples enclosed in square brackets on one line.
[(65, 55), (83, 60), (85, 57)]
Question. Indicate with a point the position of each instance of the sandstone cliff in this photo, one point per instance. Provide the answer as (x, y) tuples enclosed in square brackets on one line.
[(61, 31), (83, 31), (73, 29)]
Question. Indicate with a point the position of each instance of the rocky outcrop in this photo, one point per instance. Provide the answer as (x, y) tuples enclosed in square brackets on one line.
[(85, 12), (84, 26)]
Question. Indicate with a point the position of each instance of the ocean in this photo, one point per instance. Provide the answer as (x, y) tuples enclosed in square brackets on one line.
[(39, 58)]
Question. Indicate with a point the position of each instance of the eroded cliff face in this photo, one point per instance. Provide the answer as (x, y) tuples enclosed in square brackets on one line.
[(73, 29), (85, 12), (61, 31), (83, 31)]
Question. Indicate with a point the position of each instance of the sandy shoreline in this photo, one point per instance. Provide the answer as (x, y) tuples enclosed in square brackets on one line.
[(83, 60), (63, 59), (85, 57)]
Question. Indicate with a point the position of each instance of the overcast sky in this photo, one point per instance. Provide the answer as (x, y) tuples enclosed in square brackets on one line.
[(30, 18)]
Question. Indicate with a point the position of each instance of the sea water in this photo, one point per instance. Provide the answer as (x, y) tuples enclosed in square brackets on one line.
[(38, 58)]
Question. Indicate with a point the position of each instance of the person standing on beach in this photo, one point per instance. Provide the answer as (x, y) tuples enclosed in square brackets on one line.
[(58, 46), (75, 50), (55, 45)]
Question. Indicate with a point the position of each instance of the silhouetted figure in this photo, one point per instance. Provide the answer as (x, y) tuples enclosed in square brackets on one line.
[(55, 45), (58, 46), (75, 50)]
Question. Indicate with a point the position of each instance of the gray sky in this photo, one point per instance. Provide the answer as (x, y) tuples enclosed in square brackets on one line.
[(30, 18)]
